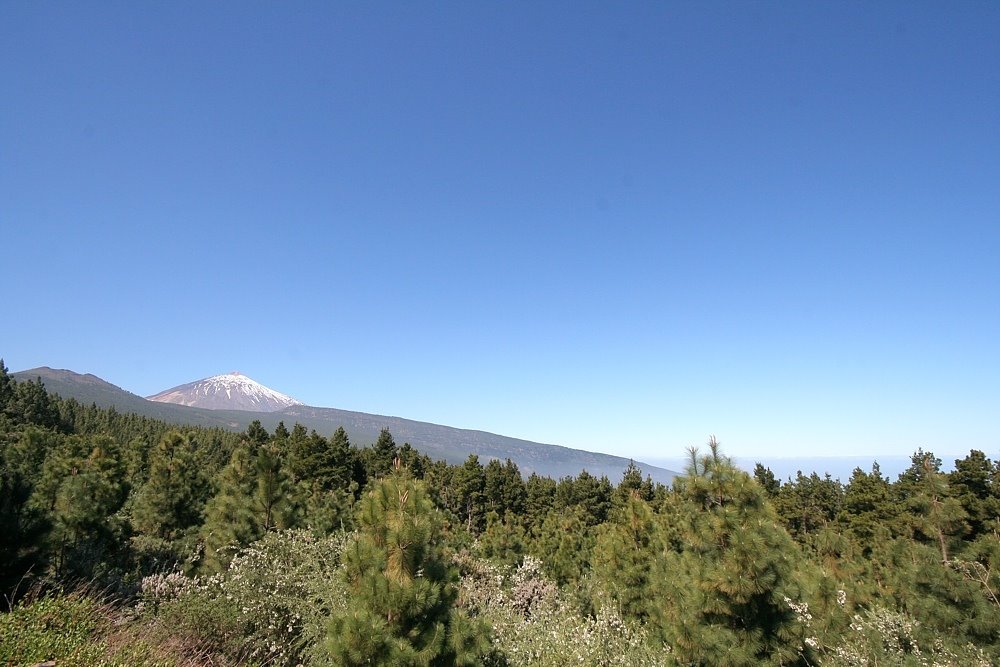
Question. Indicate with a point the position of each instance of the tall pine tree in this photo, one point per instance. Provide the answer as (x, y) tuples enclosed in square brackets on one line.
[(402, 592)]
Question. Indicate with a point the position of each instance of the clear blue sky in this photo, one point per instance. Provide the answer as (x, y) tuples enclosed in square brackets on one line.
[(613, 226)]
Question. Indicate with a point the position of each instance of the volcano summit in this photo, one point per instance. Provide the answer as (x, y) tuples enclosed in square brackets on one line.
[(232, 391)]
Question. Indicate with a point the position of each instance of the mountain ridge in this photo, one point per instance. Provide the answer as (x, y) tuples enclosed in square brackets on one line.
[(438, 441)]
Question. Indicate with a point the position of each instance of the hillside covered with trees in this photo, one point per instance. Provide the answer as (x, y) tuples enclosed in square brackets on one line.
[(125, 540)]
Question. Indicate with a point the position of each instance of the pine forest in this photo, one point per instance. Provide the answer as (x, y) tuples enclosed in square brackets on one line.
[(129, 541)]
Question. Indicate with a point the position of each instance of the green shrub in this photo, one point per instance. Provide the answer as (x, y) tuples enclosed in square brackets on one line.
[(534, 625), (75, 630), (270, 606), (881, 636)]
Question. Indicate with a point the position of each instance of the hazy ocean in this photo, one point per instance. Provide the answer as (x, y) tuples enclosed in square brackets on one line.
[(838, 467)]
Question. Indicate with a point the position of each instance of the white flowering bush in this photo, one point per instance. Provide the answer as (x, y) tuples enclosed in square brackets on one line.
[(269, 607), (805, 618), (158, 589), (284, 587), (533, 625), (881, 636)]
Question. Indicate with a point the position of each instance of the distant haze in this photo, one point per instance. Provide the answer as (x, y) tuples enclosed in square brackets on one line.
[(838, 467)]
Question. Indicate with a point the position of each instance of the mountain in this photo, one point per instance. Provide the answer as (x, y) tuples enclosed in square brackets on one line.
[(232, 391), (454, 445), (89, 389)]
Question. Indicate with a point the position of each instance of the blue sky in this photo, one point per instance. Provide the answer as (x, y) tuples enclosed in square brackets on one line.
[(618, 228)]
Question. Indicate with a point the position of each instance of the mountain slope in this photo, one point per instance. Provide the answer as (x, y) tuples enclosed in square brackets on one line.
[(231, 391), (89, 389), (453, 445)]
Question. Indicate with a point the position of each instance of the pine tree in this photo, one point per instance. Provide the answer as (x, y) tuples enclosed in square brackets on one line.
[(6, 391), (839, 582), (504, 539), (173, 498), (327, 463), (808, 504), (469, 482), (564, 542), (31, 404), (972, 482), (271, 499), (281, 434), (299, 451), (591, 494), (940, 595), (624, 554), (870, 512), (85, 491), (418, 464), (633, 485), (935, 513), (254, 497), (503, 489), (401, 609), (765, 477), (22, 525), (540, 495), (493, 487), (256, 436), (229, 521), (382, 455), (728, 592)]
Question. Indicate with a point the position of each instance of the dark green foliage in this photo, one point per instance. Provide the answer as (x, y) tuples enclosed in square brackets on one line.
[(326, 511), (6, 390), (228, 519), (807, 504), (326, 464), (401, 589), (82, 484), (838, 582), (503, 489), (540, 498), (870, 513), (381, 457), (564, 543), (973, 483), (29, 403), (947, 598), (504, 540), (590, 494), (765, 477), (280, 436), (469, 483), (174, 497), (254, 497), (732, 581), (626, 550), (438, 479), (22, 526), (633, 485), (255, 436), (418, 464), (935, 514)]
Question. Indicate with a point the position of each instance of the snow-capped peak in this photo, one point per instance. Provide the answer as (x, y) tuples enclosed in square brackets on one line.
[(230, 391)]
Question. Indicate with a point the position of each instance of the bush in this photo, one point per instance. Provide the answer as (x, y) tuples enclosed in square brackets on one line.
[(75, 630), (270, 606), (535, 626), (884, 637)]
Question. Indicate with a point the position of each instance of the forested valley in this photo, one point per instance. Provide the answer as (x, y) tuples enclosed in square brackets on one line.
[(128, 541)]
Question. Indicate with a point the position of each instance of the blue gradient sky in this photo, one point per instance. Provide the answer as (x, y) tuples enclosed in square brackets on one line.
[(613, 228)]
